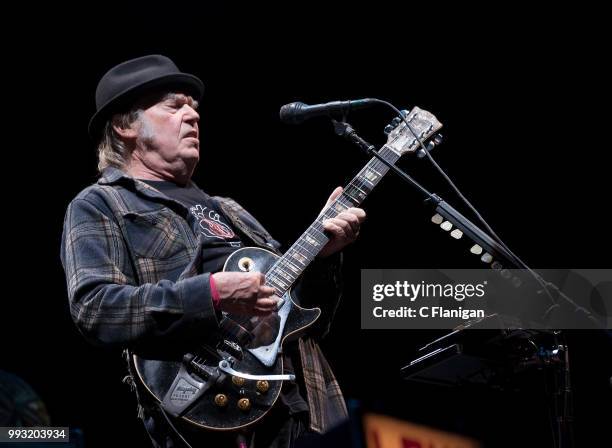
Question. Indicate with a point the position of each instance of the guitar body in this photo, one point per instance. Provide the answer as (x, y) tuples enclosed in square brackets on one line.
[(190, 385)]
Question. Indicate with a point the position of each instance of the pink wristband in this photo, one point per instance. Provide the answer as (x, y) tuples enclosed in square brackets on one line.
[(214, 293)]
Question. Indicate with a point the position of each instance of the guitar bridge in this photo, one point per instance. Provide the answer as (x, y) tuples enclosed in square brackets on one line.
[(196, 365)]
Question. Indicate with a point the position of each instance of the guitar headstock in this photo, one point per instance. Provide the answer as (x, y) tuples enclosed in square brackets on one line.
[(424, 124)]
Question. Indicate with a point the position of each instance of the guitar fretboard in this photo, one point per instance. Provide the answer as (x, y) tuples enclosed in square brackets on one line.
[(290, 266)]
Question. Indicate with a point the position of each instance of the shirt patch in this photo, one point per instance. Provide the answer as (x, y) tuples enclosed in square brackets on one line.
[(210, 223)]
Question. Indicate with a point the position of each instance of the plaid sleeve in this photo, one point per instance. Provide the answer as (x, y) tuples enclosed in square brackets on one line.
[(107, 305)]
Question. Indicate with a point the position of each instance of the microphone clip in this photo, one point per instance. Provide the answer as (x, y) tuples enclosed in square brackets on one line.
[(343, 129)]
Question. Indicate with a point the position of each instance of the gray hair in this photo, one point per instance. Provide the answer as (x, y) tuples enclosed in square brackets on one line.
[(112, 150)]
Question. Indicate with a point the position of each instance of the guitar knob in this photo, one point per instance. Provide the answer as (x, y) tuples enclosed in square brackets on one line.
[(221, 400), (238, 381), (388, 129), (262, 386), (244, 404)]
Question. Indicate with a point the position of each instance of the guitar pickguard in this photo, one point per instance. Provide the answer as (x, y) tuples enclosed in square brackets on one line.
[(267, 353)]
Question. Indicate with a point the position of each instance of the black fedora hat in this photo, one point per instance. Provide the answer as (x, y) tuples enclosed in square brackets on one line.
[(124, 83)]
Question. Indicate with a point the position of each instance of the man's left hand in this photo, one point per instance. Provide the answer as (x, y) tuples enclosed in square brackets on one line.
[(343, 229)]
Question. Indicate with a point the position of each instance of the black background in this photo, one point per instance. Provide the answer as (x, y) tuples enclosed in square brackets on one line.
[(520, 93)]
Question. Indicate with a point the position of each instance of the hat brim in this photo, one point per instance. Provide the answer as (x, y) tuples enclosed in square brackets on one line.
[(123, 100)]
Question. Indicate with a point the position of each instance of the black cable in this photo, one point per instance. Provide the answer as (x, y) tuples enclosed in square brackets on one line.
[(550, 404), (172, 426), (344, 129), (566, 412), (536, 276), (450, 182), (558, 436)]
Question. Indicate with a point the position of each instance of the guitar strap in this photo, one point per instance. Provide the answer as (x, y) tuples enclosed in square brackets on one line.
[(235, 213)]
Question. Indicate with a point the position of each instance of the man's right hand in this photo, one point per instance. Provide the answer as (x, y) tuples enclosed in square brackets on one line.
[(245, 293)]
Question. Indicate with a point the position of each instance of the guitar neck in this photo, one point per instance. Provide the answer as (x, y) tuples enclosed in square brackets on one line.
[(290, 266)]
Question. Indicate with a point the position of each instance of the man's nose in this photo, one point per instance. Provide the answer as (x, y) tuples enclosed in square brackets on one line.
[(191, 115)]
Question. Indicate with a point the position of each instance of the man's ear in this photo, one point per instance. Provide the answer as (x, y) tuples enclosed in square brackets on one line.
[(129, 132)]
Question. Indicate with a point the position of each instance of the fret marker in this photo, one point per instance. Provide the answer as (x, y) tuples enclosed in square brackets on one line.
[(298, 257), (312, 241), (284, 275), (282, 284), (292, 267), (359, 192), (371, 176)]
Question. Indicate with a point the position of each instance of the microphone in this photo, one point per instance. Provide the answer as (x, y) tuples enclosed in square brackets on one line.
[(295, 113)]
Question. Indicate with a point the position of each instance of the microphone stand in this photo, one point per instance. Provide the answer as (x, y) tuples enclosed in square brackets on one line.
[(558, 357), (344, 129)]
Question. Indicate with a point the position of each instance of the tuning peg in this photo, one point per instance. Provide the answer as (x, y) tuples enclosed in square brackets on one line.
[(389, 128), (395, 122), (435, 141)]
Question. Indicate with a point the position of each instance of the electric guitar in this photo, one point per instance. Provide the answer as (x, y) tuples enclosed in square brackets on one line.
[(232, 378)]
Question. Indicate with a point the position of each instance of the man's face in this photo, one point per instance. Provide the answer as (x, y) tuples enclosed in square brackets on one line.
[(168, 135)]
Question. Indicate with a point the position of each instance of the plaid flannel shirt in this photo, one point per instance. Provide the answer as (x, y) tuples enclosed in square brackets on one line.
[(132, 270)]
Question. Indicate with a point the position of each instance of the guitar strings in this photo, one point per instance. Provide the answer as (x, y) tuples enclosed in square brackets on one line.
[(360, 181)]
